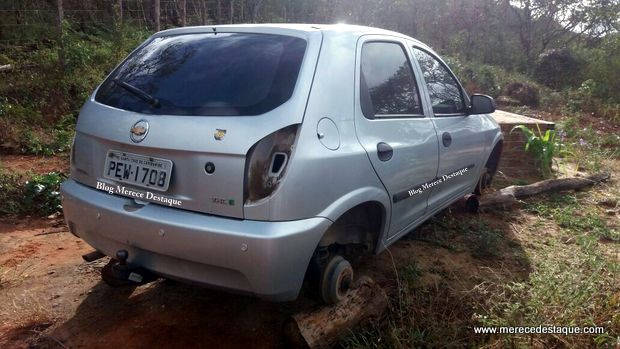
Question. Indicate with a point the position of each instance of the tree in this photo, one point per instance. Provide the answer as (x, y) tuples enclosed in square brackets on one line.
[(542, 24)]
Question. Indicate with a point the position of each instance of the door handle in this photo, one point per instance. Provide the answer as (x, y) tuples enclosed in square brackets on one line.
[(384, 151), (446, 139)]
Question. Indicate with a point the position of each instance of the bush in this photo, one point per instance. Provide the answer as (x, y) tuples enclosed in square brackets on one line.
[(38, 97), (604, 68), (525, 93), (483, 78), (11, 192), (38, 195), (559, 68), (42, 193)]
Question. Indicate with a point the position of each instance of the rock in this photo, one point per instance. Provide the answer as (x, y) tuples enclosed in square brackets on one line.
[(525, 93)]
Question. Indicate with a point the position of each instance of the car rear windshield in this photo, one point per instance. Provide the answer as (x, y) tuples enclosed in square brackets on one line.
[(207, 74)]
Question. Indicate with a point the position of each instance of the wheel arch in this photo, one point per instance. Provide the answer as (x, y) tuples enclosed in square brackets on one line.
[(492, 162), (366, 206)]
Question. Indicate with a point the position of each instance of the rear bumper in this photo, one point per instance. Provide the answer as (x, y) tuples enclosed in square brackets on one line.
[(267, 259)]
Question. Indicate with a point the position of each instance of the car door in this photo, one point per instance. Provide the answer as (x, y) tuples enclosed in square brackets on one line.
[(393, 127), (460, 136)]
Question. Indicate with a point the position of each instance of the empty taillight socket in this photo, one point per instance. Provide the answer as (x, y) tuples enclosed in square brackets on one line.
[(209, 167)]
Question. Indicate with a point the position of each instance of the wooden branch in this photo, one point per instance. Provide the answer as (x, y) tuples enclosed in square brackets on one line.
[(323, 327), (6, 67), (509, 195)]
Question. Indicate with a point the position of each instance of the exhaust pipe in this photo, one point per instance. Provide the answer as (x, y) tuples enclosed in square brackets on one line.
[(92, 256)]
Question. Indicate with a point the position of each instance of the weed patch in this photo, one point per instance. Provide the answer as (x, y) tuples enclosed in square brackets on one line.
[(30, 193)]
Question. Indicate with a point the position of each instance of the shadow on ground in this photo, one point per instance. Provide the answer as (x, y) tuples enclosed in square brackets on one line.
[(171, 315)]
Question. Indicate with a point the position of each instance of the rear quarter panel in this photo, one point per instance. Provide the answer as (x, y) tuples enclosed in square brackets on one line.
[(323, 182)]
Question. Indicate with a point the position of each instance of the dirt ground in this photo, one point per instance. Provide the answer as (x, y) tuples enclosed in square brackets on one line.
[(50, 294), (51, 298)]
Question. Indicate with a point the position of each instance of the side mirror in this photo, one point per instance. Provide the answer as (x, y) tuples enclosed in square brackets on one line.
[(481, 104)]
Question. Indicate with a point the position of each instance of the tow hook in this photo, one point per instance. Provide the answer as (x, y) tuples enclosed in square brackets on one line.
[(120, 273)]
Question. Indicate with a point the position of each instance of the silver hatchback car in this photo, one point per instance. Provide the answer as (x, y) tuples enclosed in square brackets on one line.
[(254, 157)]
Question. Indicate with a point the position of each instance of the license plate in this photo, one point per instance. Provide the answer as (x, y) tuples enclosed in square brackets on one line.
[(140, 170)]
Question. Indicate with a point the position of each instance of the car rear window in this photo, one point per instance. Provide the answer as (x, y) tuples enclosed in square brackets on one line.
[(208, 74)]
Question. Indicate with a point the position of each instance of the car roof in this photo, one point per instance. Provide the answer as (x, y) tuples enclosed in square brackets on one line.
[(355, 31)]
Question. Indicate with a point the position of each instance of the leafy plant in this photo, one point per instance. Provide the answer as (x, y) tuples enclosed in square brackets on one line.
[(10, 192), (39, 194), (543, 146), (42, 193)]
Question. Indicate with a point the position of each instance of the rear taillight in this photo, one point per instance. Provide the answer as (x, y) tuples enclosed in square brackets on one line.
[(266, 163)]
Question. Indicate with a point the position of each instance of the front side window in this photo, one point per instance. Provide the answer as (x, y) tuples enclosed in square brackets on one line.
[(388, 86), (444, 90), (207, 74)]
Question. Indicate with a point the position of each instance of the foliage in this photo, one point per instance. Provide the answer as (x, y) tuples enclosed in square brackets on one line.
[(39, 194), (543, 146), (525, 93), (40, 100), (604, 67), (559, 68), (11, 192), (42, 194), (492, 46)]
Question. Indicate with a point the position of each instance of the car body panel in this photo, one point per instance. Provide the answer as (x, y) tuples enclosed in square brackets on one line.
[(414, 143), (254, 257), (190, 142)]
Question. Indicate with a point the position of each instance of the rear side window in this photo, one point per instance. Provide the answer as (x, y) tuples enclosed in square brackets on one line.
[(208, 74), (444, 90), (388, 87)]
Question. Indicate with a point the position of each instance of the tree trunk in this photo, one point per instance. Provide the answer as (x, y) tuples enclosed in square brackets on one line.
[(323, 327), (509, 195), (61, 53), (232, 11), (157, 15), (203, 11), (256, 9), (183, 5), (219, 12), (118, 11)]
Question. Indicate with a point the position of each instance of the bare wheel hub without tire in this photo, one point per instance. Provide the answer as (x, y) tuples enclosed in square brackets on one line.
[(336, 280)]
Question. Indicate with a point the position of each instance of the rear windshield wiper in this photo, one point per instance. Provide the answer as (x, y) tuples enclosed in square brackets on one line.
[(138, 93)]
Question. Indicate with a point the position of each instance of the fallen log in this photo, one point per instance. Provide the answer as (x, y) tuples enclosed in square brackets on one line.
[(323, 327), (511, 194), (6, 67)]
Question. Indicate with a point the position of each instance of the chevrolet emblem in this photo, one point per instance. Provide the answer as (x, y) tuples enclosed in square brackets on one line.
[(139, 130)]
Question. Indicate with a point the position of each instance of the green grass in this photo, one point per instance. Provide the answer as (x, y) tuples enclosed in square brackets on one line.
[(580, 221), (552, 269)]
